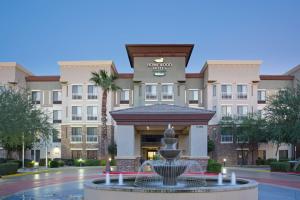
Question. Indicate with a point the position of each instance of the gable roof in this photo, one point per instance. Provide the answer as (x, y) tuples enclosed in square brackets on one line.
[(293, 70)]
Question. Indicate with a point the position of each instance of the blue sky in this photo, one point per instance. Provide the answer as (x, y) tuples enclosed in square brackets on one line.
[(38, 33)]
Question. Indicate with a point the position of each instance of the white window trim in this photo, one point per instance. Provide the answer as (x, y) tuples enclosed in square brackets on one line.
[(225, 142), (94, 105), (41, 93), (128, 94), (87, 135), (87, 92), (265, 90), (231, 90), (71, 90), (161, 95), (231, 105), (156, 84), (187, 100), (51, 95), (247, 93), (75, 126), (71, 114)]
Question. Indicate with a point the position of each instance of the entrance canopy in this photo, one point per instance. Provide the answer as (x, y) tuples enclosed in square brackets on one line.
[(162, 114)]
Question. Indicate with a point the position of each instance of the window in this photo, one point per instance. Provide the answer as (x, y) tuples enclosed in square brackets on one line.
[(76, 135), (76, 113), (226, 91), (91, 154), (167, 92), (56, 97), (242, 111), (151, 92), (76, 91), (226, 112), (92, 92), (92, 113), (262, 154), (193, 96), (36, 97), (124, 99), (214, 90), (283, 154), (91, 135), (261, 96), (56, 116), (242, 91), (56, 137), (76, 154), (226, 136)]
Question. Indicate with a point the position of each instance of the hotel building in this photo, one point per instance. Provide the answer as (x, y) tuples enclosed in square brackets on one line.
[(158, 92)]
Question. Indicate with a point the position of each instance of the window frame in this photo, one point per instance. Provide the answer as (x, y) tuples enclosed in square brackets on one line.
[(81, 96), (151, 84), (162, 94)]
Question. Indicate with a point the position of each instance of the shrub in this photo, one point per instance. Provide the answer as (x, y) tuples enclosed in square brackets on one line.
[(29, 163), (102, 162), (298, 169), (19, 162), (68, 162), (79, 163), (113, 162), (213, 166), (3, 160), (280, 167), (61, 163), (8, 168), (270, 160), (260, 161), (54, 164), (92, 162), (42, 162)]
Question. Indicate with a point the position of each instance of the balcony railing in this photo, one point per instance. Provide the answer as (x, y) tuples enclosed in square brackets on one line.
[(76, 117), (242, 95), (167, 96), (76, 96), (124, 101), (92, 117), (56, 121), (193, 101), (151, 97), (57, 101), (76, 138), (92, 138), (261, 101), (36, 101), (92, 96), (226, 95), (226, 117)]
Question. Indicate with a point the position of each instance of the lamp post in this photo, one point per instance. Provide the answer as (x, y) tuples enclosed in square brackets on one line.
[(224, 161), (80, 161)]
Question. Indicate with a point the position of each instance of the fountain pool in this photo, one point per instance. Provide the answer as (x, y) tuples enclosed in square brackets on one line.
[(170, 178)]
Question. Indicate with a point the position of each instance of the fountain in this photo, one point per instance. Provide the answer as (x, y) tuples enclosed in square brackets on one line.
[(171, 178)]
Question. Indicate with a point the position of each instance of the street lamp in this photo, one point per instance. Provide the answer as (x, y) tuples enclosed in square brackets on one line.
[(224, 161), (80, 161)]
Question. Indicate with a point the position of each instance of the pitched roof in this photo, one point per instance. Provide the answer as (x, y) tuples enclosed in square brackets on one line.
[(162, 109), (276, 77), (293, 70)]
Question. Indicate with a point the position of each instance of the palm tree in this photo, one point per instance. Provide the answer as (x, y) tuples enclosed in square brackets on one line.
[(106, 82)]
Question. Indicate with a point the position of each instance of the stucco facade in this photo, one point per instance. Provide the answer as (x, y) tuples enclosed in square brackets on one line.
[(159, 76)]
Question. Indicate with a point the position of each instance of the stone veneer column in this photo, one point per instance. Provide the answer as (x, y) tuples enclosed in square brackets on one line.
[(198, 144), (125, 139)]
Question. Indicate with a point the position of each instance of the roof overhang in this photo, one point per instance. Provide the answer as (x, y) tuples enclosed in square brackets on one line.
[(162, 114), (164, 50)]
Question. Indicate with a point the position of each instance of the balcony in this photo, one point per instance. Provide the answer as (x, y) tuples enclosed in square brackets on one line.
[(193, 101), (124, 101), (76, 138), (167, 97), (36, 101), (226, 95), (261, 101), (151, 97), (227, 117)]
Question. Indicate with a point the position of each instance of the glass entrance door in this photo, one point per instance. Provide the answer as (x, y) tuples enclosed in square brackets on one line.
[(151, 154)]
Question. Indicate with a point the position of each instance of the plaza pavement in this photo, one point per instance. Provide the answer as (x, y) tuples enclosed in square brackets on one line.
[(67, 183)]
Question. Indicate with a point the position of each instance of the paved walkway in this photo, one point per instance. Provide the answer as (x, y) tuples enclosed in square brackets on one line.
[(68, 184)]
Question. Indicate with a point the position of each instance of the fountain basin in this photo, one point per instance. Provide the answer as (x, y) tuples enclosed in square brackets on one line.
[(96, 189), (169, 154), (169, 172)]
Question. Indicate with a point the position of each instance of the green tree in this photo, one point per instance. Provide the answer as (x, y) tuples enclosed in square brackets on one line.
[(107, 83), (21, 121), (283, 117)]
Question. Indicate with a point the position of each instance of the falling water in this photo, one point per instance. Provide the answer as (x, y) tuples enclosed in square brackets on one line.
[(107, 179), (220, 179), (233, 179), (120, 179)]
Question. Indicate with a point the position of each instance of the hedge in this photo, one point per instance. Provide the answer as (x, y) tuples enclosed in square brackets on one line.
[(8, 168), (213, 166), (280, 167), (54, 164)]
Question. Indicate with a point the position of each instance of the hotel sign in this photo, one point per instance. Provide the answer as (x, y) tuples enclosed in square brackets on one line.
[(159, 67)]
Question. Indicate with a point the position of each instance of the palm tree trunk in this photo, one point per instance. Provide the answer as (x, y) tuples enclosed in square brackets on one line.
[(104, 142)]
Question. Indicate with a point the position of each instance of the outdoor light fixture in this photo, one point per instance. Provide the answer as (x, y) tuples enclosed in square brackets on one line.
[(224, 161), (109, 159), (148, 128), (80, 160)]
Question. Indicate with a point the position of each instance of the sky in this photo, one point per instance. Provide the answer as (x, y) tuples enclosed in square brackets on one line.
[(39, 33)]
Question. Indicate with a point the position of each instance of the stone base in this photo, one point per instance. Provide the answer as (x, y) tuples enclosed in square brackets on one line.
[(127, 164)]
